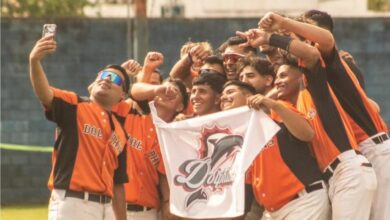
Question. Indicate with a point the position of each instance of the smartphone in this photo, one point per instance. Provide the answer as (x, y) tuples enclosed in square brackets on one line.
[(49, 29)]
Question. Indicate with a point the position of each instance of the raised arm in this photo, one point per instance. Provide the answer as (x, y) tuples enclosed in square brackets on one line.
[(324, 38), (40, 84), (295, 123), (152, 61), (132, 67), (182, 69)]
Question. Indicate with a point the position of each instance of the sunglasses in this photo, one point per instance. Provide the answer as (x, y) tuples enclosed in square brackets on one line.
[(234, 57), (115, 78)]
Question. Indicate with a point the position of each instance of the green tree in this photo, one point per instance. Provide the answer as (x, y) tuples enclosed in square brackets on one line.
[(43, 8), (379, 5)]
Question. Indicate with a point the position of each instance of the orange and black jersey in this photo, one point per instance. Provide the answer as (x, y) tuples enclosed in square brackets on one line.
[(282, 169), (357, 72), (89, 152), (143, 159), (328, 108), (352, 98)]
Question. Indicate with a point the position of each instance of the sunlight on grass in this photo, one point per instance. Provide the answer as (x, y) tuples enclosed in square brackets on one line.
[(24, 212)]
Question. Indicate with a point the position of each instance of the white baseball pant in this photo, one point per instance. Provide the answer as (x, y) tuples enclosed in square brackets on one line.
[(68, 208), (352, 187), (377, 151), (308, 206)]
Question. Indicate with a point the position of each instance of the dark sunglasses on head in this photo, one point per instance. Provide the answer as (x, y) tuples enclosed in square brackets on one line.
[(115, 78), (234, 57)]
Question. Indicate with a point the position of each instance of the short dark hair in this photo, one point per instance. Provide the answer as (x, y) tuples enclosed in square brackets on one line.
[(242, 85), (182, 90), (126, 84), (261, 65), (323, 19), (213, 59), (215, 81), (236, 40)]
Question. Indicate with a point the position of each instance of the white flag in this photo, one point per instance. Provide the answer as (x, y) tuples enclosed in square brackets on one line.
[(205, 159)]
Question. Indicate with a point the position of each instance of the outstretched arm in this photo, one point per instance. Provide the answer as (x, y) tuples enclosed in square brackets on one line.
[(145, 91), (257, 37), (324, 38), (40, 84)]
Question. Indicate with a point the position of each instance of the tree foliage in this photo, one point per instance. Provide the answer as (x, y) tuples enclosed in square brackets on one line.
[(379, 5), (43, 8)]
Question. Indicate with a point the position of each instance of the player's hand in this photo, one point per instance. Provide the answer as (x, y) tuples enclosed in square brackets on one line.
[(271, 22), (198, 54), (166, 92), (43, 47), (258, 102), (153, 60), (132, 67), (346, 56), (254, 37)]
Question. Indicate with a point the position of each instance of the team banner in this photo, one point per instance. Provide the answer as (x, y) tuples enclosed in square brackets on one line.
[(206, 158)]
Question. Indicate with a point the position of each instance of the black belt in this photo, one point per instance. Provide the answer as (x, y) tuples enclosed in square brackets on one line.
[(312, 188), (91, 197), (380, 139), (329, 172), (137, 208)]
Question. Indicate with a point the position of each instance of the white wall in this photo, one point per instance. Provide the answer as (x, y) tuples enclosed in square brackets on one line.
[(240, 8)]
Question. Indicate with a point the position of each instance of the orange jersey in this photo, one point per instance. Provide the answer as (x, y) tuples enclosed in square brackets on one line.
[(365, 119), (282, 169), (189, 110), (333, 132), (144, 155), (89, 152)]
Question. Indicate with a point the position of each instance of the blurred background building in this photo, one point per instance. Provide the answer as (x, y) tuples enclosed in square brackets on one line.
[(93, 33), (234, 8)]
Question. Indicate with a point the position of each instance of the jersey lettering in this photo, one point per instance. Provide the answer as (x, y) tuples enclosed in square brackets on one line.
[(115, 143), (134, 142), (92, 130)]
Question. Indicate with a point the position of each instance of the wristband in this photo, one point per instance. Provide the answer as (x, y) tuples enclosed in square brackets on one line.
[(280, 41)]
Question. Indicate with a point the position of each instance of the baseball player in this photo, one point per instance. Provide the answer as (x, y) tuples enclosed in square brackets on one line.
[(284, 176), (170, 99), (350, 176), (89, 157), (369, 128)]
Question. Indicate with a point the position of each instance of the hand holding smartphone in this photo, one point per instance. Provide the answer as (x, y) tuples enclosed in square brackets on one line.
[(49, 29)]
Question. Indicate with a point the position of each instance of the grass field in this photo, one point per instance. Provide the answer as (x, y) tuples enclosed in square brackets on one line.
[(24, 212)]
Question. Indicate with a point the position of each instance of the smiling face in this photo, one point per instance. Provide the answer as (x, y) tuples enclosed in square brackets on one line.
[(233, 97), (173, 105), (204, 100), (261, 83), (230, 57), (288, 82), (105, 92)]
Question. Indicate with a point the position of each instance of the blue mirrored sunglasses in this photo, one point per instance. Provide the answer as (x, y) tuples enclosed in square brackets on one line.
[(115, 78)]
